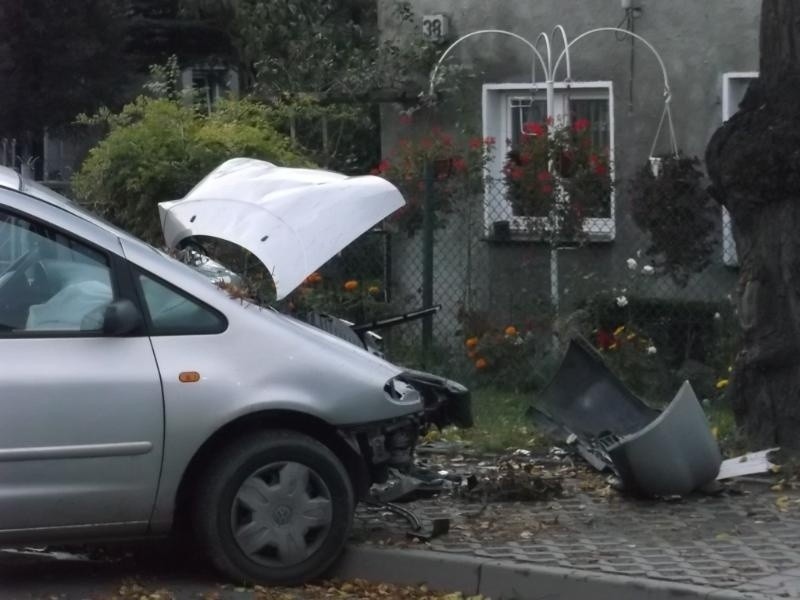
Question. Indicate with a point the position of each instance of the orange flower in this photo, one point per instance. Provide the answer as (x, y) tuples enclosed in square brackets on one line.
[(511, 331), (481, 364), (351, 285), (374, 290), (472, 343), (314, 278)]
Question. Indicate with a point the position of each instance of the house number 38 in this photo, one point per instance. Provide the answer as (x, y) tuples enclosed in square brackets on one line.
[(434, 27)]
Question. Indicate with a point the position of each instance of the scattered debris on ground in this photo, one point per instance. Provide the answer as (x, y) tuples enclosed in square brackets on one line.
[(753, 463), (339, 590)]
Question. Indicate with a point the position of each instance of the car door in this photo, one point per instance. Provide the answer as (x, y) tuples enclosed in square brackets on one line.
[(81, 413)]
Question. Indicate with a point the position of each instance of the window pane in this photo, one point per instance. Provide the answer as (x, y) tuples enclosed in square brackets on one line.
[(596, 112), (172, 313), (49, 282), (576, 195)]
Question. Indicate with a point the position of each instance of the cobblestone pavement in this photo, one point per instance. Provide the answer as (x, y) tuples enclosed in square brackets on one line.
[(747, 539)]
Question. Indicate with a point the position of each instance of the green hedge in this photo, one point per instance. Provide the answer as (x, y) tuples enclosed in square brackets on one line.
[(158, 149)]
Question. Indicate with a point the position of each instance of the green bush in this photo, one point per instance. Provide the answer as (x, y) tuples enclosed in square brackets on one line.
[(691, 340), (681, 329), (157, 149)]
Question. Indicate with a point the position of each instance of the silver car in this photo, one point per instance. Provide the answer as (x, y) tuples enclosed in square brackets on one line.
[(136, 393)]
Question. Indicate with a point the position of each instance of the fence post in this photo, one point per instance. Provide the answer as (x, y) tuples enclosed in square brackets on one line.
[(427, 262)]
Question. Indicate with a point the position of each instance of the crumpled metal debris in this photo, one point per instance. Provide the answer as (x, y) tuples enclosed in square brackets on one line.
[(655, 453), (400, 486)]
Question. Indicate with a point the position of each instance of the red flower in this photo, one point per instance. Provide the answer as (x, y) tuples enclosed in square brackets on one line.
[(533, 128), (517, 173), (544, 176), (581, 125), (459, 165), (547, 189), (440, 135), (604, 339), (490, 141), (383, 166), (475, 143), (405, 119), (598, 166)]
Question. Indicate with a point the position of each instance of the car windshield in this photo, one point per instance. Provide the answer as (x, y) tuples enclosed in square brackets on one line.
[(51, 197), (209, 268), (196, 256)]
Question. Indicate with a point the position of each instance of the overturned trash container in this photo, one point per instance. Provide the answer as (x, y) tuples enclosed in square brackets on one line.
[(656, 453)]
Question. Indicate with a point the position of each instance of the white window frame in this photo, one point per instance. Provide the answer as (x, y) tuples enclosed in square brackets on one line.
[(496, 124), (212, 95), (730, 105)]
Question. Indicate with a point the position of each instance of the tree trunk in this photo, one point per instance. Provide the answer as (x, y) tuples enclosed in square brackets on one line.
[(754, 165)]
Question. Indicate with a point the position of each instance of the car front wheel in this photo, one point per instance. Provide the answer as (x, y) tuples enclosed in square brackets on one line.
[(275, 508)]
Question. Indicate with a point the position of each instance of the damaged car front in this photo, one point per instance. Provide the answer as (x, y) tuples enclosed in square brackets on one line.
[(169, 400), (293, 221)]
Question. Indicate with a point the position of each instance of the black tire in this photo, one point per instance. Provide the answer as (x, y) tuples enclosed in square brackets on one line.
[(241, 461)]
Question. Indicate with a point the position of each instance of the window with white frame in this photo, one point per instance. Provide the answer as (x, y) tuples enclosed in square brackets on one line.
[(210, 83), (507, 108), (734, 86)]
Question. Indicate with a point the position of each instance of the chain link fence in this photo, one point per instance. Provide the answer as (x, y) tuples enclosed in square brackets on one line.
[(513, 287), (645, 270)]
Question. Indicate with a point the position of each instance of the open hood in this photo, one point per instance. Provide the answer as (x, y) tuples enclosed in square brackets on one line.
[(293, 220)]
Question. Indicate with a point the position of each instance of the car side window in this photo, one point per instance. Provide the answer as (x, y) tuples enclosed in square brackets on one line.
[(173, 313), (49, 282)]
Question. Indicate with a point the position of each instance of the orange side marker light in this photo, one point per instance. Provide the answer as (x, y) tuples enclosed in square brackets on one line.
[(189, 377)]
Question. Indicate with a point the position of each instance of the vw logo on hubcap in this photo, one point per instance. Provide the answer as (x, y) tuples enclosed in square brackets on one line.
[(282, 515)]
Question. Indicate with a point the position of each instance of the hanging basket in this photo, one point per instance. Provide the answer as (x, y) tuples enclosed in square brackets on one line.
[(656, 165), (657, 162), (666, 186)]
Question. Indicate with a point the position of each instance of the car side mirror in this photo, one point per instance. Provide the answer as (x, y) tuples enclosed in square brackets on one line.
[(121, 318)]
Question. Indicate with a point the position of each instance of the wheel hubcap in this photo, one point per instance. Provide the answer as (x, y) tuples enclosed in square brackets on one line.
[(281, 514)]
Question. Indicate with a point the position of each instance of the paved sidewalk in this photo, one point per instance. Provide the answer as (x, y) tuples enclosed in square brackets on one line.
[(746, 540)]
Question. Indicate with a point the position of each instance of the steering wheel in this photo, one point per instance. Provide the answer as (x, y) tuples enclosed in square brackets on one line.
[(17, 269)]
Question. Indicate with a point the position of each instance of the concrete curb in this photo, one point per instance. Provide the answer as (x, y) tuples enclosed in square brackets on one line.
[(509, 580)]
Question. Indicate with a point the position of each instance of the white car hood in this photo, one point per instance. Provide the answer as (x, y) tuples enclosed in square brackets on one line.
[(293, 220)]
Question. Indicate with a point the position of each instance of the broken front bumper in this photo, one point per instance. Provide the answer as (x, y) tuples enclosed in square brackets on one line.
[(446, 402), (655, 453)]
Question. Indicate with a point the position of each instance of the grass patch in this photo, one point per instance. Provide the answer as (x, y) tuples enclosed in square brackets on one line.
[(500, 422), (723, 426)]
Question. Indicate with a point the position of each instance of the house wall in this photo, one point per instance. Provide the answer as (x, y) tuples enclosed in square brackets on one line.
[(698, 40)]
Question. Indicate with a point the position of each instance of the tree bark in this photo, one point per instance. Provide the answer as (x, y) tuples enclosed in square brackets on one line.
[(754, 165)]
